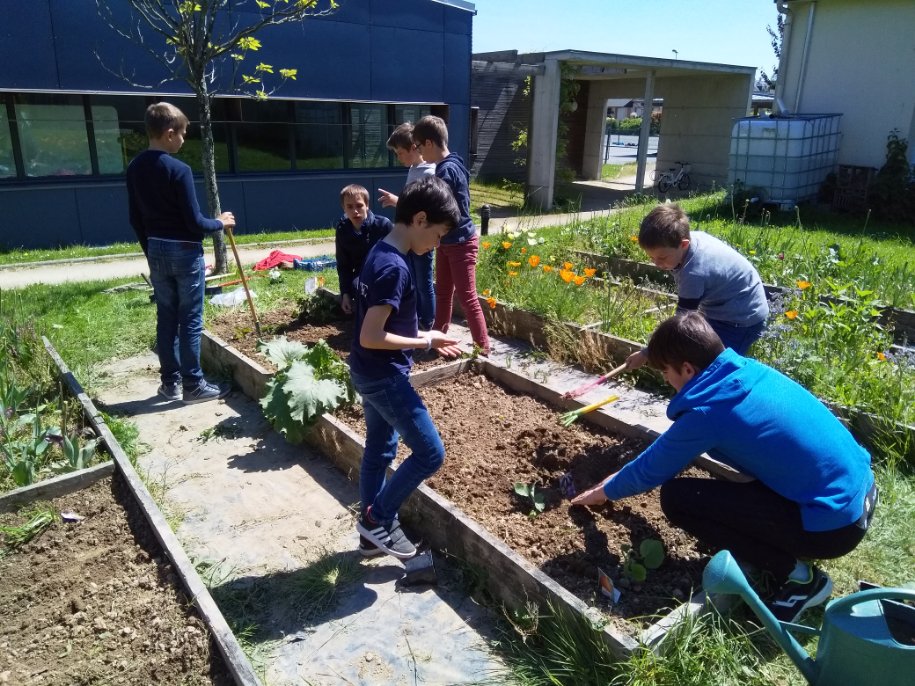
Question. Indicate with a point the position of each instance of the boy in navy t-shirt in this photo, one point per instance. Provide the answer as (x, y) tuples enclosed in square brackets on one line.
[(387, 332)]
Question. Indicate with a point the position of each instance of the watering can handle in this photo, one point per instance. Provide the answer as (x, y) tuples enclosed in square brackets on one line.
[(870, 594)]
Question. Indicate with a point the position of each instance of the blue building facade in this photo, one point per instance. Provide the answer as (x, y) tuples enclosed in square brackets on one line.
[(70, 122)]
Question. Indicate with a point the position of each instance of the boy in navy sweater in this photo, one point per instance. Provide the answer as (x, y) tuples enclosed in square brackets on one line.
[(380, 360), (170, 227), (812, 492), (357, 232)]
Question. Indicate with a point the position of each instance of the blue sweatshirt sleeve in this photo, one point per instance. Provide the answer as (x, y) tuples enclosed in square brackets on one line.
[(671, 452), (194, 220)]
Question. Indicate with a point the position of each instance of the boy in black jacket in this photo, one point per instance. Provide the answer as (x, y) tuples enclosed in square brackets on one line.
[(357, 233)]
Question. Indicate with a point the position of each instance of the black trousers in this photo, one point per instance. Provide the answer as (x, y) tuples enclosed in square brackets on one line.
[(753, 522)]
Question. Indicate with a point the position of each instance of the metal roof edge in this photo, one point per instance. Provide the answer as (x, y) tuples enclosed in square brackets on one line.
[(636, 60), (457, 4)]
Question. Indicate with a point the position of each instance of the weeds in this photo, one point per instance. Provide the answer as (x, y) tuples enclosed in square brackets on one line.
[(37, 521)]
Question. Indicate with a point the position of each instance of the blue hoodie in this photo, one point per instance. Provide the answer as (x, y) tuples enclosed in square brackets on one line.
[(452, 171), (759, 421)]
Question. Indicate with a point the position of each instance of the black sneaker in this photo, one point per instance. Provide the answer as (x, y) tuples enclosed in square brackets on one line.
[(170, 391), (796, 596), (367, 548), (390, 538), (204, 392)]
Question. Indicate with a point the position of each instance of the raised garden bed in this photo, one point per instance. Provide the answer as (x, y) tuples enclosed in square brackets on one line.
[(110, 574), (96, 600)]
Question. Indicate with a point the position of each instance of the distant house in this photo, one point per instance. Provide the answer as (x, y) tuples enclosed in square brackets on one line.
[(856, 58), (623, 108)]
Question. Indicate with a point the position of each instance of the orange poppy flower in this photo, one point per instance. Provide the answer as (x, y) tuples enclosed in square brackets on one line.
[(579, 280), (634, 238), (513, 273), (803, 285), (589, 272), (568, 265), (486, 244), (533, 260), (506, 245), (491, 302), (566, 275), (485, 291), (523, 251), (513, 264), (547, 268), (791, 314), (881, 357)]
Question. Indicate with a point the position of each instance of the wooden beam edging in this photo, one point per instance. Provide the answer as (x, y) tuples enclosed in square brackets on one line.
[(250, 376), (236, 661), (56, 487)]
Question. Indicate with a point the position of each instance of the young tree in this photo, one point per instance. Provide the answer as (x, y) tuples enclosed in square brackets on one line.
[(776, 35), (205, 43)]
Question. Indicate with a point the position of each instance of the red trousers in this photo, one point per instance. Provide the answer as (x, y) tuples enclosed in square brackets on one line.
[(456, 273)]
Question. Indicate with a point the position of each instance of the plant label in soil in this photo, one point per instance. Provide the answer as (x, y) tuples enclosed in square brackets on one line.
[(606, 586)]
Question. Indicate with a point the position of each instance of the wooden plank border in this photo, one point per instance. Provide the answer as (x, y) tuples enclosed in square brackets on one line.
[(56, 487)]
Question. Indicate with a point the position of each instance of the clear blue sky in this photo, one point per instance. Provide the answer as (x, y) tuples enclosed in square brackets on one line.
[(723, 31)]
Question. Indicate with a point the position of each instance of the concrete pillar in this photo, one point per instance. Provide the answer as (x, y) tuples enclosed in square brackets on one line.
[(644, 132), (593, 159), (541, 173)]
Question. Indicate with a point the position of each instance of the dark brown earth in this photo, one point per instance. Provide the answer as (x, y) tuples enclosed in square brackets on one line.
[(96, 602), (495, 437)]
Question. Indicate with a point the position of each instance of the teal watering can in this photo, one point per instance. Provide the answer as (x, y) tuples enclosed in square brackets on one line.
[(857, 643)]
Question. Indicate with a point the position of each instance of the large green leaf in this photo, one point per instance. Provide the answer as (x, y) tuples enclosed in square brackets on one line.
[(309, 396), (282, 352)]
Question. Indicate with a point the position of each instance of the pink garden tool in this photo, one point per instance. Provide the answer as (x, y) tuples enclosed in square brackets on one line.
[(569, 417), (581, 390)]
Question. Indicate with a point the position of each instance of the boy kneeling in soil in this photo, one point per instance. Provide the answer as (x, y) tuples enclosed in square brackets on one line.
[(380, 362), (813, 492)]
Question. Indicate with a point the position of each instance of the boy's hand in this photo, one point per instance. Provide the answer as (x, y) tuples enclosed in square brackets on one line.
[(443, 343), (228, 221), (594, 495), (346, 304), (636, 360), (386, 198)]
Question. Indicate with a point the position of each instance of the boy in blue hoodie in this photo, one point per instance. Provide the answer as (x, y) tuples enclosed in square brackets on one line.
[(812, 493)]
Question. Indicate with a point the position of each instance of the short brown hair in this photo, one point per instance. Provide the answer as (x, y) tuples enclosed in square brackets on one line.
[(401, 137), (685, 337), (354, 190), (431, 128), (162, 116), (665, 227)]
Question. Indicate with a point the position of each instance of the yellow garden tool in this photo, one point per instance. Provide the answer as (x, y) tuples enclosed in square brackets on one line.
[(569, 417)]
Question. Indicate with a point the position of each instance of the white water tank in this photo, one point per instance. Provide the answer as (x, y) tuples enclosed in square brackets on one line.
[(785, 158)]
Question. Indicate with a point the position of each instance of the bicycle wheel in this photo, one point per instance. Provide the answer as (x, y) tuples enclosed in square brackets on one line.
[(684, 182), (664, 183)]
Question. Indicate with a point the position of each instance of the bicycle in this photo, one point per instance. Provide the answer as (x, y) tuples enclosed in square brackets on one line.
[(680, 179)]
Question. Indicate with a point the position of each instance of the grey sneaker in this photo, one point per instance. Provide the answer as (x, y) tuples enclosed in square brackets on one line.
[(389, 537), (204, 392), (367, 548), (170, 391)]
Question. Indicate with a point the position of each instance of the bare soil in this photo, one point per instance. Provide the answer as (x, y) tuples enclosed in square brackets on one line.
[(96, 602), (495, 437), (235, 328)]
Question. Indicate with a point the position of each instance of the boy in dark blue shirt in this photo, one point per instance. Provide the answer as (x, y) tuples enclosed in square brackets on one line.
[(811, 494), (170, 227), (387, 332), (357, 232)]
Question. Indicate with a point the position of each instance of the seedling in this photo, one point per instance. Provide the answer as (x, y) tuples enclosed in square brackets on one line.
[(649, 556), (530, 493), (16, 536)]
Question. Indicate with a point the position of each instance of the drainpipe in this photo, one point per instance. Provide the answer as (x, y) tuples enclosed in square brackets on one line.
[(800, 83), (782, 7)]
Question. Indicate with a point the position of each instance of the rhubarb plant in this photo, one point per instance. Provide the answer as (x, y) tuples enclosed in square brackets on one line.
[(650, 555), (530, 494), (309, 382)]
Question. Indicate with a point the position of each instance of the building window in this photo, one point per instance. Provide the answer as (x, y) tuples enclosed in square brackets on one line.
[(263, 136), (410, 113), (318, 135), (119, 130), (52, 135), (7, 161), (368, 136), (191, 152)]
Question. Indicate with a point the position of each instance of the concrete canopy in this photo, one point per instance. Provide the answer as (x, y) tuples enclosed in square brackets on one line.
[(700, 101)]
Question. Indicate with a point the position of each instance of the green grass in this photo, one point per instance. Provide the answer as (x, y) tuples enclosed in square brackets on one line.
[(502, 195), (609, 172)]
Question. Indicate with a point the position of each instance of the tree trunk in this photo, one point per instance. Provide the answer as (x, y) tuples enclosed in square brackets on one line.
[(209, 173)]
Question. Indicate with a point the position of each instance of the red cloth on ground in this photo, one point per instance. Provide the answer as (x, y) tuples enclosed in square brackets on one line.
[(274, 258)]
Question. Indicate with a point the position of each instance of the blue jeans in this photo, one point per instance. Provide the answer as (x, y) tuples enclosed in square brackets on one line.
[(176, 270), (737, 338), (421, 267), (393, 409)]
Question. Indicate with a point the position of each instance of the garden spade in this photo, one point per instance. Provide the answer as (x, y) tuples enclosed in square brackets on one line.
[(244, 282), (569, 417), (581, 390)]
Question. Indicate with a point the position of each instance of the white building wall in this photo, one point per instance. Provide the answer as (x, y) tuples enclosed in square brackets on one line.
[(860, 63)]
